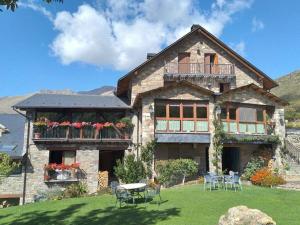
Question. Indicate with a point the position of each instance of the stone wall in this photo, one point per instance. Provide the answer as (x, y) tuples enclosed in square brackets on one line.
[(151, 75), (12, 185)]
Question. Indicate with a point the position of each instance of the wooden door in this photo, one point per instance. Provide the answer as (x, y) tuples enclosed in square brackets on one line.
[(184, 62), (207, 67)]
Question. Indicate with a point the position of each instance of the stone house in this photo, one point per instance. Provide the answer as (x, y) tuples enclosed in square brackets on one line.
[(173, 97)]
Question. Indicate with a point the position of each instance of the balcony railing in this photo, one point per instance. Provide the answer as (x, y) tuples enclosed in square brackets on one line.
[(63, 175), (199, 69), (247, 128), (84, 133), (181, 126)]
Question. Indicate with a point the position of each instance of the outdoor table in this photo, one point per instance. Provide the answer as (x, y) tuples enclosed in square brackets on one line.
[(132, 187)]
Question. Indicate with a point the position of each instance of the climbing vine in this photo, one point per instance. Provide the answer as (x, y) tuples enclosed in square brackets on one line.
[(147, 154), (218, 144)]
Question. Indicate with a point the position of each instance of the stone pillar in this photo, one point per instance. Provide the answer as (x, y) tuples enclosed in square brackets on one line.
[(278, 117), (89, 163)]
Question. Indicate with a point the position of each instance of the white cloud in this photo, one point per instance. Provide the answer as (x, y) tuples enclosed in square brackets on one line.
[(257, 25), (119, 33), (239, 47), (34, 6)]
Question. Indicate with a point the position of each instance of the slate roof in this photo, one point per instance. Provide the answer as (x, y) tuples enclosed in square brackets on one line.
[(71, 101), (12, 141)]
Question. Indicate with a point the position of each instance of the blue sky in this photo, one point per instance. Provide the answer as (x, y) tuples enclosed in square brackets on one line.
[(84, 45)]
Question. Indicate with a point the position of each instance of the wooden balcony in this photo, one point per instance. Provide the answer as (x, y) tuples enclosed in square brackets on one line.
[(199, 69), (181, 126), (89, 134)]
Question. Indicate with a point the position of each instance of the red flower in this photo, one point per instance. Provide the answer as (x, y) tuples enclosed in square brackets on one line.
[(120, 125), (65, 124), (52, 124), (98, 126), (77, 125), (107, 124)]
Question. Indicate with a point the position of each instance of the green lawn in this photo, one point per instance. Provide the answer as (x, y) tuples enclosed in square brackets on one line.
[(185, 206)]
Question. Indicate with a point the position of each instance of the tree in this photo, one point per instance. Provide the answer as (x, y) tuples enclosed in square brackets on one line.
[(13, 4), (7, 166), (131, 170)]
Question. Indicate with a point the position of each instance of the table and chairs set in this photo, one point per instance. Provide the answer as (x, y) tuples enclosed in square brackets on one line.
[(126, 193), (214, 181)]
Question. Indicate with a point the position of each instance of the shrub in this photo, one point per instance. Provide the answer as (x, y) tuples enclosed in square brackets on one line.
[(131, 170), (75, 190), (147, 153), (265, 177), (172, 169), (53, 193), (252, 166)]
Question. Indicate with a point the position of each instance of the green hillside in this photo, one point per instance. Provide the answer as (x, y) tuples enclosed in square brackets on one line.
[(289, 90)]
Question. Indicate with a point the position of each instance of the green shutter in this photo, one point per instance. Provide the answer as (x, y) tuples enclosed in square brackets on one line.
[(225, 126), (251, 128), (174, 125), (242, 127), (202, 126), (188, 125), (260, 128), (233, 127), (161, 125)]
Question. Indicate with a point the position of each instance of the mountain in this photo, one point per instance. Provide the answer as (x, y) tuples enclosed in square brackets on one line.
[(289, 90), (104, 90)]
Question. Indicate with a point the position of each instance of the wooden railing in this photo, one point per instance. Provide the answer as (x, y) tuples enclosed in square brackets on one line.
[(181, 126), (293, 151), (199, 68), (89, 132)]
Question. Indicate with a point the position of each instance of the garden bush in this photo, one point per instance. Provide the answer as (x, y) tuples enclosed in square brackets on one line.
[(130, 170), (169, 171), (265, 177), (252, 166), (75, 190), (53, 193)]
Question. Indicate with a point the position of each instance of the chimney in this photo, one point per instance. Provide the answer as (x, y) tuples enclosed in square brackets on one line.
[(195, 26), (150, 55)]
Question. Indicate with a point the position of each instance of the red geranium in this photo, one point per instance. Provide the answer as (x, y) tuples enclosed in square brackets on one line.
[(52, 124), (107, 124), (77, 125), (65, 124), (75, 165), (98, 126)]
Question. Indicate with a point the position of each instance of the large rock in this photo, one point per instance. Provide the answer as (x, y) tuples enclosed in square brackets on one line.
[(242, 215)]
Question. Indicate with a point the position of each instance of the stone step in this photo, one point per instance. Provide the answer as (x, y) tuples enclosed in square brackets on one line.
[(292, 177)]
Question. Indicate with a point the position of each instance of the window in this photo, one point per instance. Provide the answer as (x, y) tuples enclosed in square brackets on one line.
[(224, 87), (59, 157), (247, 114), (174, 111), (201, 112), (188, 111), (52, 116), (160, 110), (223, 113), (260, 115), (232, 113)]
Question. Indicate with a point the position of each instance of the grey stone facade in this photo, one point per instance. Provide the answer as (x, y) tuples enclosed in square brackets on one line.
[(151, 77)]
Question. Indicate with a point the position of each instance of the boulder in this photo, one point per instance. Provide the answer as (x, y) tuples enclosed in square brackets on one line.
[(242, 215)]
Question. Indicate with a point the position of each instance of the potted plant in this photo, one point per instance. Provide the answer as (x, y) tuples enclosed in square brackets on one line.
[(38, 127)]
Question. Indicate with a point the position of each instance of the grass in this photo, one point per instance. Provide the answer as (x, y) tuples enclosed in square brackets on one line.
[(184, 205)]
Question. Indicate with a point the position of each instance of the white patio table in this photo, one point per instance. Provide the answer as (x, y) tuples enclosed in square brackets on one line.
[(132, 187)]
